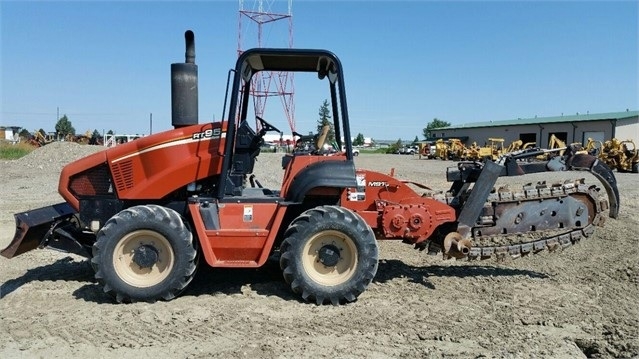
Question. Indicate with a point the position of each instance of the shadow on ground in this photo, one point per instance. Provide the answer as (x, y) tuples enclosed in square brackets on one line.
[(266, 280), (393, 268), (65, 269)]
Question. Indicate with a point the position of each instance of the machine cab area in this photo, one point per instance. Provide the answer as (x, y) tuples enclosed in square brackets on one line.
[(243, 143)]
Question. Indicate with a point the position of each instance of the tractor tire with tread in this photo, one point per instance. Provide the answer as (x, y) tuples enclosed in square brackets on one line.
[(167, 256), (329, 255)]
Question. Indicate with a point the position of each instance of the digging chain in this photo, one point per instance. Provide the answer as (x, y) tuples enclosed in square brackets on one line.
[(550, 240)]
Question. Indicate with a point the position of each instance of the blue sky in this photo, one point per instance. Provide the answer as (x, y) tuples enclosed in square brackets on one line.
[(106, 64)]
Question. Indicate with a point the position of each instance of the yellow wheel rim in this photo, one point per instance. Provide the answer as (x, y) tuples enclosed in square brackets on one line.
[(130, 272), (330, 275)]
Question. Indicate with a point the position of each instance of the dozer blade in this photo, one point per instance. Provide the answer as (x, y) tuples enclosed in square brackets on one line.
[(34, 227)]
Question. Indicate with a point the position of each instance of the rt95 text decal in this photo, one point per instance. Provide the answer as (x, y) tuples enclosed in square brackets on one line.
[(211, 133)]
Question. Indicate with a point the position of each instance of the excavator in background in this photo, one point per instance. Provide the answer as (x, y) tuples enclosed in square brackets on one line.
[(519, 145), (556, 147), (555, 142), (40, 138), (148, 212)]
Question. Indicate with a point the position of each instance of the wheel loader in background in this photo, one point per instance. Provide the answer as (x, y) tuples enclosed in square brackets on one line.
[(148, 212)]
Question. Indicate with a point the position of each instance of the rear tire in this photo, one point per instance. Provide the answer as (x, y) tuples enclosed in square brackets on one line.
[(144, 253), (635, 168), (329, 255)]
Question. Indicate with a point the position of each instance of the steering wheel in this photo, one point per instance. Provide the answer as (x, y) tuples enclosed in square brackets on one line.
[(266, 126)]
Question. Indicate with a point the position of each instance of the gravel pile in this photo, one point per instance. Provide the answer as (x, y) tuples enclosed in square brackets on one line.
[(55, 155)]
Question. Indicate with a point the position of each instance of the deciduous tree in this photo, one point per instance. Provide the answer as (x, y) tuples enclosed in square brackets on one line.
[(435, 123)]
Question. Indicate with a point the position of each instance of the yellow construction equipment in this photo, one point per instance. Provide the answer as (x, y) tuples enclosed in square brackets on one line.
[(456, 149), (621, 155), (40, 138), (492, 151), (441, 149), (554, 142), (519, 145), (593, 147), (426, 150)]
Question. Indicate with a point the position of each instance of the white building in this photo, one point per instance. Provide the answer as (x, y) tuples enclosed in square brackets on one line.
[(10, 133)]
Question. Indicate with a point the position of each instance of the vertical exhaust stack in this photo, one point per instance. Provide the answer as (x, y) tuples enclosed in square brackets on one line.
[(184, 93)]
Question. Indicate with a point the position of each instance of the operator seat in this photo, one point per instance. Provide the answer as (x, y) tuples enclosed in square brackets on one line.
[(321, 139)]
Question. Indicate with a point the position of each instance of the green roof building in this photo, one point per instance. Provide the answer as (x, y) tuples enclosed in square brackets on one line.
[(569, 128)]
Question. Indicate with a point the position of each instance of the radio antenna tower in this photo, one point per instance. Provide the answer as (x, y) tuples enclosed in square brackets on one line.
[(257, 28)]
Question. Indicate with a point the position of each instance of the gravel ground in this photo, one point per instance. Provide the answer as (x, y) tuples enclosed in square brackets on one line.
[(581, 302)]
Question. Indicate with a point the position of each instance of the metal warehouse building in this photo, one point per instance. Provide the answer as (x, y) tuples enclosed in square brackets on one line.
[(575, 128)]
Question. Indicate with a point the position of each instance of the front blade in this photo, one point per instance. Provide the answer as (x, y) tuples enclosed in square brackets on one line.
[(33, 227)]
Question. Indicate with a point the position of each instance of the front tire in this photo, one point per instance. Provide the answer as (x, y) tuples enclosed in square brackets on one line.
[(329, 255), (144, 253)]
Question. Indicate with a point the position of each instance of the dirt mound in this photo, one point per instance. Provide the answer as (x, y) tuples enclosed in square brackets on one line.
[(56, 155)]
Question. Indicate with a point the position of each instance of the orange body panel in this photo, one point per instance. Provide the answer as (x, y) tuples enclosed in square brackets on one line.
[(393, 209), (246, 236), (152, 167)]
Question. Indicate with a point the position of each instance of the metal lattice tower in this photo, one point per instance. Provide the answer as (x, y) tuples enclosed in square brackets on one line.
[(257, 28)]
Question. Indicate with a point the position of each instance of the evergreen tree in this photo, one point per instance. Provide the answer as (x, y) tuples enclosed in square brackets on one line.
[(325, 119), (63, 127), (96, 138), (25, 134)]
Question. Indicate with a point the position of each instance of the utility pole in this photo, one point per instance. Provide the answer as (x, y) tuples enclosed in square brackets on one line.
[(151, 123)]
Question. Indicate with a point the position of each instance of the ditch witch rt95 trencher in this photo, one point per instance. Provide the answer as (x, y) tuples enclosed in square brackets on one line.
[(148, 212)]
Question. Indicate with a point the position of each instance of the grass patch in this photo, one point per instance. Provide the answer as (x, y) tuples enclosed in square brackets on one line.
[(374, 151), (13, 152)]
